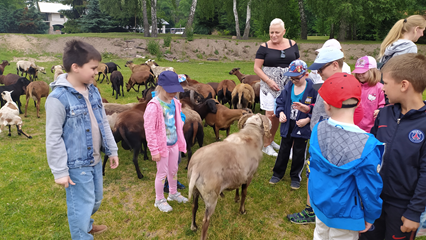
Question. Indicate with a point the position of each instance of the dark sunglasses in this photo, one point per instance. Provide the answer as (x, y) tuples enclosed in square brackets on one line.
[(282, 54), (324, 67)]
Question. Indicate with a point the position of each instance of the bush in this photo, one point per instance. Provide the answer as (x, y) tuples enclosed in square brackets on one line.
[(153, 47), (190, 35), (167, 41), (216, 52)]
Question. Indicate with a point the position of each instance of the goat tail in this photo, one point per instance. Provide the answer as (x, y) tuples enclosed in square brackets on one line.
[(123, 135), (239, 105), (192, 180), (194, 132), (30, 91), (119, 67)]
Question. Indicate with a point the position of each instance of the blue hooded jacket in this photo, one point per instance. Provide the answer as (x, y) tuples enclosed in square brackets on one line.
[(283, 104), (344, 183)]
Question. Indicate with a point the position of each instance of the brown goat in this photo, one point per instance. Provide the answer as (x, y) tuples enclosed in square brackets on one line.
[(226, 165), (244, 78), (223, 118), (102, 68), (243, 96), (214, 85), (224, 91), (192, 130), (36, 91), (139, 78), (3, 65), (9, 79), (204, 89), (256, 87), (138, 68)]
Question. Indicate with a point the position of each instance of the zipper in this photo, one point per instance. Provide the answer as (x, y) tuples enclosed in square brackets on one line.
[(390, 146)]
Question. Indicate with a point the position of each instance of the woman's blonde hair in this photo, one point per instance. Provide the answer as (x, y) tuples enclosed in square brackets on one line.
[(401, 27), (277, 21), (374, 77)]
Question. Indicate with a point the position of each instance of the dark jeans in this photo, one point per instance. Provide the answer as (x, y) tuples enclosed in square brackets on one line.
[(298, 160), (388, 226)]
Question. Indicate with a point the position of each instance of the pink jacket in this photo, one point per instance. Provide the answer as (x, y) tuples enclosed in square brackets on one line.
[(372, 98), (155, 128)]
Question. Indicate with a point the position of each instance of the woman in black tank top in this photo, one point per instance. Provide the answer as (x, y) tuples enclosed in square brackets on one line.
[(272, 61)]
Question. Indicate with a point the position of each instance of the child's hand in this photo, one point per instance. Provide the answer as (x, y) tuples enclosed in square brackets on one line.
[(367, 227), (113, 161), (64, 181), (301, 107), (408, 225), (156, 158), (283, 118), (302, 122), (376, 112)]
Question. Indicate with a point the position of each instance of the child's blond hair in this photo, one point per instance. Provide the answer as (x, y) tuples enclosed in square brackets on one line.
[(374, 76)]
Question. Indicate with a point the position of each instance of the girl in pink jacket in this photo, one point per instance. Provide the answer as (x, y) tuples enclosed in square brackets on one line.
[(372, 97), (164, 134)]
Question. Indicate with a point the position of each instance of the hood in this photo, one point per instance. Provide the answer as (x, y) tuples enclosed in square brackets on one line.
[(412, 114), (339, 151), (399, 46), (61, 80)]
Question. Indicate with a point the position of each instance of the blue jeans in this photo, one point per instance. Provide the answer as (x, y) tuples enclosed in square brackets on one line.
[(423, 220), (84, 199)]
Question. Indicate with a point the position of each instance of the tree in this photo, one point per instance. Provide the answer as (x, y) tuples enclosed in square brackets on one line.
[(303, 22), (154, 22), (248, 17), (24, 20), (237, 24), (96, 20), (190, 18), (145, 20)]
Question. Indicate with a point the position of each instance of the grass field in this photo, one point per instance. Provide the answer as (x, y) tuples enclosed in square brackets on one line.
[(32, 206)]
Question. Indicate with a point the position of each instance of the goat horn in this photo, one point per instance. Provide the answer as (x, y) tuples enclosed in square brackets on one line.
[(191, 96), (243, 120), (266, 125)]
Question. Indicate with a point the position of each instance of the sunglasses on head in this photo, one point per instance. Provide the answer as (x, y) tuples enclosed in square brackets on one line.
[(324, 67), (282, 54)]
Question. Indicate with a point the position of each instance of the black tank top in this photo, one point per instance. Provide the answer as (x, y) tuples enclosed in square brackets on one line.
[(272, 57)]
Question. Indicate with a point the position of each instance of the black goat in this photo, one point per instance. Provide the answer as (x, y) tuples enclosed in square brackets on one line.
[(18, 89), (111, 67), (116, 82)]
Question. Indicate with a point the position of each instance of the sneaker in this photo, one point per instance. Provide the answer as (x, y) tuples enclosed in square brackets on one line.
[(98, 229), (180, 185), (295, 185), (269, 151), (275, 146), (163, 205), (177, 197), (306, 216), (274, 180)]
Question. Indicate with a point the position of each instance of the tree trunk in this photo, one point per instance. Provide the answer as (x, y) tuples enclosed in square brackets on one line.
[(342, 30), (247, 29), (354, 32), (237, 24), (332, 31), (303, 22), (145, 20), (190, 18), (154, 18)]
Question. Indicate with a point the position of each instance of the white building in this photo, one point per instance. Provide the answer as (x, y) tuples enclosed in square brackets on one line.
[(52, 15)]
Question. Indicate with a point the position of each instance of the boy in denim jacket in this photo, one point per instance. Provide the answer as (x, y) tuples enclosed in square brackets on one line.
[(76, 131)]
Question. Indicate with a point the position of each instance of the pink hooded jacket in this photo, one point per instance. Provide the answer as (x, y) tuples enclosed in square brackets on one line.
[(155, 128), (372, 98)]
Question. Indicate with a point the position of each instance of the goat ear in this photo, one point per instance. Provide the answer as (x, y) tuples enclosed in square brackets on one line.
[(212, 106)]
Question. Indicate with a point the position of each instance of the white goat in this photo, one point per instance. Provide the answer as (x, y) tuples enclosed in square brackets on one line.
[(24, 66), (227, 165), (157, 69), (9, 114), (58, 71)]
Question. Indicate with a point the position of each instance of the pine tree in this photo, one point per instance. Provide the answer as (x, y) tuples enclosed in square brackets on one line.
[(96, 20)]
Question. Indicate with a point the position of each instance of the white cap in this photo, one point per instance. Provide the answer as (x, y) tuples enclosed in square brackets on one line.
[(331, 43)]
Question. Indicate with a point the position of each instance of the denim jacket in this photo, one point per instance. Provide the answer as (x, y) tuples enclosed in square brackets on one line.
[(68, 128)]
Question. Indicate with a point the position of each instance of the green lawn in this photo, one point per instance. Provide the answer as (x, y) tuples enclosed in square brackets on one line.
[(32, 206)]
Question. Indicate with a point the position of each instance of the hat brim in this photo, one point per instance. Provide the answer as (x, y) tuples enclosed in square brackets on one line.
[(173, 88), (359, 70), (317, 86), (316, 66), (293, 74)]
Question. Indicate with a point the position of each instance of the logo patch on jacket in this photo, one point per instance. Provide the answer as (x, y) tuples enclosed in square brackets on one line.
[(308, 100), (371, 97), (416, 136)]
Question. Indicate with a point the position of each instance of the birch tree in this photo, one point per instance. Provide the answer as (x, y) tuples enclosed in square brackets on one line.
[(191, 17), (154, 18), (248, 17), (237, 24), (145, 20)]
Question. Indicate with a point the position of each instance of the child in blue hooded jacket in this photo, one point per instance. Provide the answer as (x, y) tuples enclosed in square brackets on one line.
[(344, 183)]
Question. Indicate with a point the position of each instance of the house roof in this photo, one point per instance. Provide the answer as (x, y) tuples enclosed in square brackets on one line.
[(163, 22), (46, 7)]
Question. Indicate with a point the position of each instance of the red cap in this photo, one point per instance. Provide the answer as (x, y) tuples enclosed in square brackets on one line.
[(340, 87)]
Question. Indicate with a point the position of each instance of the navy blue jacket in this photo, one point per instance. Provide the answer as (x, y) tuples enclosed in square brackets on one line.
[(404, 162), (283, 104)]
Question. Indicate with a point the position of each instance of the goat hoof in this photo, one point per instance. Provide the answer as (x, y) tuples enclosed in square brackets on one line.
[(237, 200), (140, 176), (222, 195), (194, 228), (9, 135), (30, 137), (243, 212)]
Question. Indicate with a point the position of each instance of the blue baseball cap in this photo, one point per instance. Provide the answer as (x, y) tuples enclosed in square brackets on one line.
[(296, 68), (170, 82), (326, 55)]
